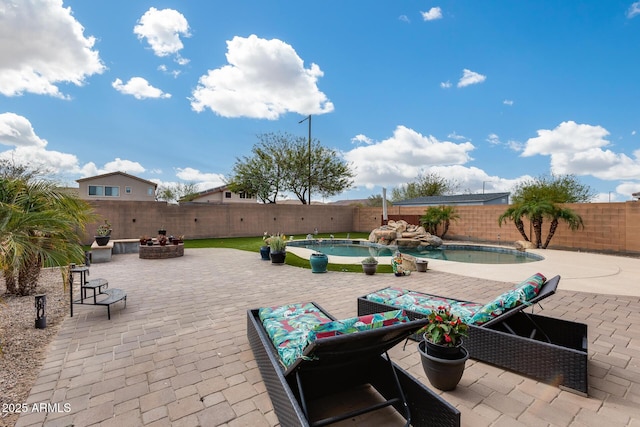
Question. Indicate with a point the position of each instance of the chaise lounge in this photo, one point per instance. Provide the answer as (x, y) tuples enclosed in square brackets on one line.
[(304, 354), (501, 333)]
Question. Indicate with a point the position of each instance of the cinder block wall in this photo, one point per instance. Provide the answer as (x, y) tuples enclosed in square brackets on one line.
[(609, 227), (194, 221)]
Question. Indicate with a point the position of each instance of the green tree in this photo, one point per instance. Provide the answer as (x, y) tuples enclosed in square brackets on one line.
[(437, 216), (430, 184), (280, 163), (39, 227), (375, 201), (176, 192), (540, 199)]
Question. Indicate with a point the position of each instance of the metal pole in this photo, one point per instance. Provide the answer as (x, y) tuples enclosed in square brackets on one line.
[(309, 182)]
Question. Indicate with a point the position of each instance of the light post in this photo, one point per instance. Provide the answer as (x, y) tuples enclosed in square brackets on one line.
[(483, 182), (309, 119)]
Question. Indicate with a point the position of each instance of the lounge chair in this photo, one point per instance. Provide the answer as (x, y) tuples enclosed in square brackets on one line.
[(317, 356), (547, 349)]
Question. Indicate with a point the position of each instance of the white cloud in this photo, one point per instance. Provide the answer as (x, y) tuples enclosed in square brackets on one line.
[(454, 135), (634, 10), (404, 18), (361, 139), (627, 188), (42, 45), (203, 181), (432, 14), (578, 149), (264, 79), (493, 139), (139, 88), (17, 131), (445, 85), (470, 78), (402, 157), (162, 29), (30, 149), (508, 102)]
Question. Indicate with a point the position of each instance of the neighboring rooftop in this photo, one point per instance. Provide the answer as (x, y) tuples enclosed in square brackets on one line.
[(457, 199)]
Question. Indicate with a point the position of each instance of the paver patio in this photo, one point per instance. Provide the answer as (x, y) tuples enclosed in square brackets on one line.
[(178, 354)]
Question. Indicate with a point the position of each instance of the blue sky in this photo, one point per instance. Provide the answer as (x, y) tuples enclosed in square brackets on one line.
[(483, 93)]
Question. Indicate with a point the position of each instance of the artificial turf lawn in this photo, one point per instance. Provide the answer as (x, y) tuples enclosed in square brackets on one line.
[(252, 244)]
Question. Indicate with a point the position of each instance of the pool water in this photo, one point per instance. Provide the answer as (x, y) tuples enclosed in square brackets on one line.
[(460, 253)]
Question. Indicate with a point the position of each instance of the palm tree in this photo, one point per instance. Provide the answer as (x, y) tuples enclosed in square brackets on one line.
[(39, 226), (536, 211), (567, 215), (514, 213), (447, 214), (436, 216)]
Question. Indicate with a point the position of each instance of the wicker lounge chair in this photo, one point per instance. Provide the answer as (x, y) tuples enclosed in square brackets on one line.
[(547, 349), (333, 364)]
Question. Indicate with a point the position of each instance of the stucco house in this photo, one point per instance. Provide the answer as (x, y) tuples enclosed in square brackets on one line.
[(222, 195), (117, 186), (457, 200)]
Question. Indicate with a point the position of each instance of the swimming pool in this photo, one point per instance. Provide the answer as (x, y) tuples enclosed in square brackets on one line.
[(450, 252)]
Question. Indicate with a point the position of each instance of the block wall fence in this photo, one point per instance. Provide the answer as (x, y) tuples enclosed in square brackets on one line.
[(609, 227)]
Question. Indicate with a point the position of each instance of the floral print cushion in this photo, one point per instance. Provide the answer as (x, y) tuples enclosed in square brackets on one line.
[(384, 295), (525, 291), (288, 327), (419, 302), (288, 310), (465, 309), (357, 324)]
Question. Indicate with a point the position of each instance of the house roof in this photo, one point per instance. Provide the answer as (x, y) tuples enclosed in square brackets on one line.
[(457, 198), (210, 191), (117, 173)]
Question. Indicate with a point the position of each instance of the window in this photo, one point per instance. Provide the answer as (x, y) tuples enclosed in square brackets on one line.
[(227, 195), (243, 195), (96, 190), (127, 190), (104, 190), (150, 191), (111, 191)]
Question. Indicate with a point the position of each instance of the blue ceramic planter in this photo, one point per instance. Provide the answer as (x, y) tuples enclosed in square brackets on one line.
[(319, 263)]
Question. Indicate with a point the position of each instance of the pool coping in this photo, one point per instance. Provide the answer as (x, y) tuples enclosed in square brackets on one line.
[(336, 259)]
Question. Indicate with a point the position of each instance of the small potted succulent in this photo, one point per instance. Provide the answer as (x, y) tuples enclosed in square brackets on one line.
[(103, 233), (369, 265)]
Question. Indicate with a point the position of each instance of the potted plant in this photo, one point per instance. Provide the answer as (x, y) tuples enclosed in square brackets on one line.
[(162, 230), (162, 240), (143, 239), (278, 248), (265, 249), (178, 239), (369, 265), (103, 233), (441, 352)]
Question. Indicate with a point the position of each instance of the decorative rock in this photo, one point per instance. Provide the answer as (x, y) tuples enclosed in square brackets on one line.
[(523, 245), (403, 234)]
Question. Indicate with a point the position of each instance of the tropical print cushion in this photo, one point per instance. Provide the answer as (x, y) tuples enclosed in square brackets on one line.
[(469, 312), (287, 310), (288, 327), (384, 295), (357, 324), (526, 290)]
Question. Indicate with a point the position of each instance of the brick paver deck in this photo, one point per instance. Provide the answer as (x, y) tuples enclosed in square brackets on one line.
[(178, 354)]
